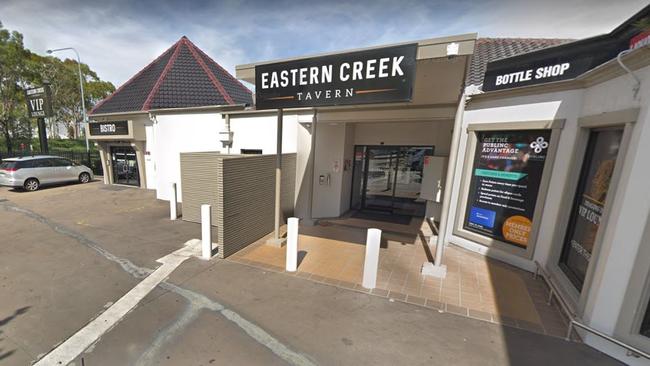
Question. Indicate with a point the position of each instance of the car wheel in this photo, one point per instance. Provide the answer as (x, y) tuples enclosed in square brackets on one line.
[(31, 184), (84, 178)]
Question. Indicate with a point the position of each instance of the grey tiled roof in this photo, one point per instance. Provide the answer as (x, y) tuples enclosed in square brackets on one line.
[(492, 49), (183, 76)]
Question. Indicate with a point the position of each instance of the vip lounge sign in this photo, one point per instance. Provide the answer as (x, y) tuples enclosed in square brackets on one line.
[(39, 102), (383, 75)]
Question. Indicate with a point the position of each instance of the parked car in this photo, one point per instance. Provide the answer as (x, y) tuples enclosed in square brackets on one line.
[(31, 172)]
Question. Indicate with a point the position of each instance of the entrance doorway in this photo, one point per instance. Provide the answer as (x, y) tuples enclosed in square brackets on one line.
[(387, 179), (125, 166)]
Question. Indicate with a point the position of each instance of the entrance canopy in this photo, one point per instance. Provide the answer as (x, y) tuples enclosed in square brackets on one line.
[(440, 68)]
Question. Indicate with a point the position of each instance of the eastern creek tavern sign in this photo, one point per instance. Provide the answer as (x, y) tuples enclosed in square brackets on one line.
[(382, 75)]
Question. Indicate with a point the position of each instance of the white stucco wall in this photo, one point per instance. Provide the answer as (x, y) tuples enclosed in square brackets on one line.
[(562, 105), (437, 133), (149, 161), (330, 142), (259, 132), (629, 210), (176, 133), (628, 204)]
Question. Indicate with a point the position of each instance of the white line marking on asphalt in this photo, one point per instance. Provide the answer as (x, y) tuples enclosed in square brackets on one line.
[(86, 336), (193, 298)]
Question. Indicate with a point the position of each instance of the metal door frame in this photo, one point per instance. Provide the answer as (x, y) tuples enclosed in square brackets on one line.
[(366, 161)]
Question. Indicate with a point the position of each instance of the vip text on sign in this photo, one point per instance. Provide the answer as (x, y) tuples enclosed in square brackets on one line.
[(382, 75), (38, 102)]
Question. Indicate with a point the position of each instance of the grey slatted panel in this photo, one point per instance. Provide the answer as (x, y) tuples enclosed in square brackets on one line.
[(199, 182), (249, 196), (241, 190)]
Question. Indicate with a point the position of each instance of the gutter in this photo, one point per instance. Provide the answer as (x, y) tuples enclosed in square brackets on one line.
[(221, 107)]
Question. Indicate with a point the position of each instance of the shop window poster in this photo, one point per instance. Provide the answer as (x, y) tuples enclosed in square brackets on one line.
[(506, 175)]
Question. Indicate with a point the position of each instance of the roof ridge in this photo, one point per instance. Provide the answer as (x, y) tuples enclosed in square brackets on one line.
[(103, 101), (206, 69), (147, 103), (527, 38), (224, 70)]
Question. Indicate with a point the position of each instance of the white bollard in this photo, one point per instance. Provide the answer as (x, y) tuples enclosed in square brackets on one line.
[(172, 204), (292, 244), (371, 262), (206, 231)]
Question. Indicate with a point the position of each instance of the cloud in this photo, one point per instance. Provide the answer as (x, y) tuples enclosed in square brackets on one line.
[(118, 38)]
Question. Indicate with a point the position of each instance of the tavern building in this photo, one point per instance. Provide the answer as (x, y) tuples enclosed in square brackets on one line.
[(532, 152)]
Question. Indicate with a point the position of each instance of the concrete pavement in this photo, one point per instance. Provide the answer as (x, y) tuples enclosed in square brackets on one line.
[(68, 252)]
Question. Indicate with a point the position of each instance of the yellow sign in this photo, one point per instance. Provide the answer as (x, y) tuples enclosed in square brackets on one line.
[(517, 229)]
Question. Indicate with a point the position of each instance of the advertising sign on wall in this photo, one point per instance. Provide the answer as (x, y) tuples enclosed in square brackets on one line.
[(372, 76), (506, 176), (109, 128)]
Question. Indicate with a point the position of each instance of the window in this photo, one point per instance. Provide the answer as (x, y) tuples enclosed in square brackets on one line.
[(645, 324), (42, 163), (505, 182), (9, 165), (588, 203), (61, 162)]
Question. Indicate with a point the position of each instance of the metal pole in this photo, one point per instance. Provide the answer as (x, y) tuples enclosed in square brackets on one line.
[(81, 88), (42, 135), (83, 99), (278, 176)]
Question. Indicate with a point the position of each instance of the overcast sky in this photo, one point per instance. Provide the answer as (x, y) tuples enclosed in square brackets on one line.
[(118, 38)]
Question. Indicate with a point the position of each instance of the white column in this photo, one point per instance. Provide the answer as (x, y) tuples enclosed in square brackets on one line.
[(371, 262), (172, 204), (206, 232), (277, 240), (292, 244)]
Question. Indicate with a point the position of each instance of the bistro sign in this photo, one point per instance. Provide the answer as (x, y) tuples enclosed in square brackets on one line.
[(109, 128), (381, 75)]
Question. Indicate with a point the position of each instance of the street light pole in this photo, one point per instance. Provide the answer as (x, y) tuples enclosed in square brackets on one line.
[(81, 88)]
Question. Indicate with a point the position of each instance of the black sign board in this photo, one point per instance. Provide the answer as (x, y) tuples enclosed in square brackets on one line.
[(506, 175), (109, 128), (380, 75), (39, 103), (565, 61)]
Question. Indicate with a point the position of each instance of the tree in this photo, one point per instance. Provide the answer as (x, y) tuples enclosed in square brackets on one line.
[(20, 69), (63, 77), (15, 65)]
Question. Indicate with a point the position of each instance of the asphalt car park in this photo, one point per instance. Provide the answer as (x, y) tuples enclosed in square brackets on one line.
[(69, 252)]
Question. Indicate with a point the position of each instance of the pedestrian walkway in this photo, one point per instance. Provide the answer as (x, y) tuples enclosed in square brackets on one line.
[(475, 286)]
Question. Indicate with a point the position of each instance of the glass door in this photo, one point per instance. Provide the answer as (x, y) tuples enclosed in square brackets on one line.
[(589, 202), (381, 171), (388, 179), (125, 166)]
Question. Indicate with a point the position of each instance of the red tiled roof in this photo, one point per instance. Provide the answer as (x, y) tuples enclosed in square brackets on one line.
[(182, 76), (492, 49)]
